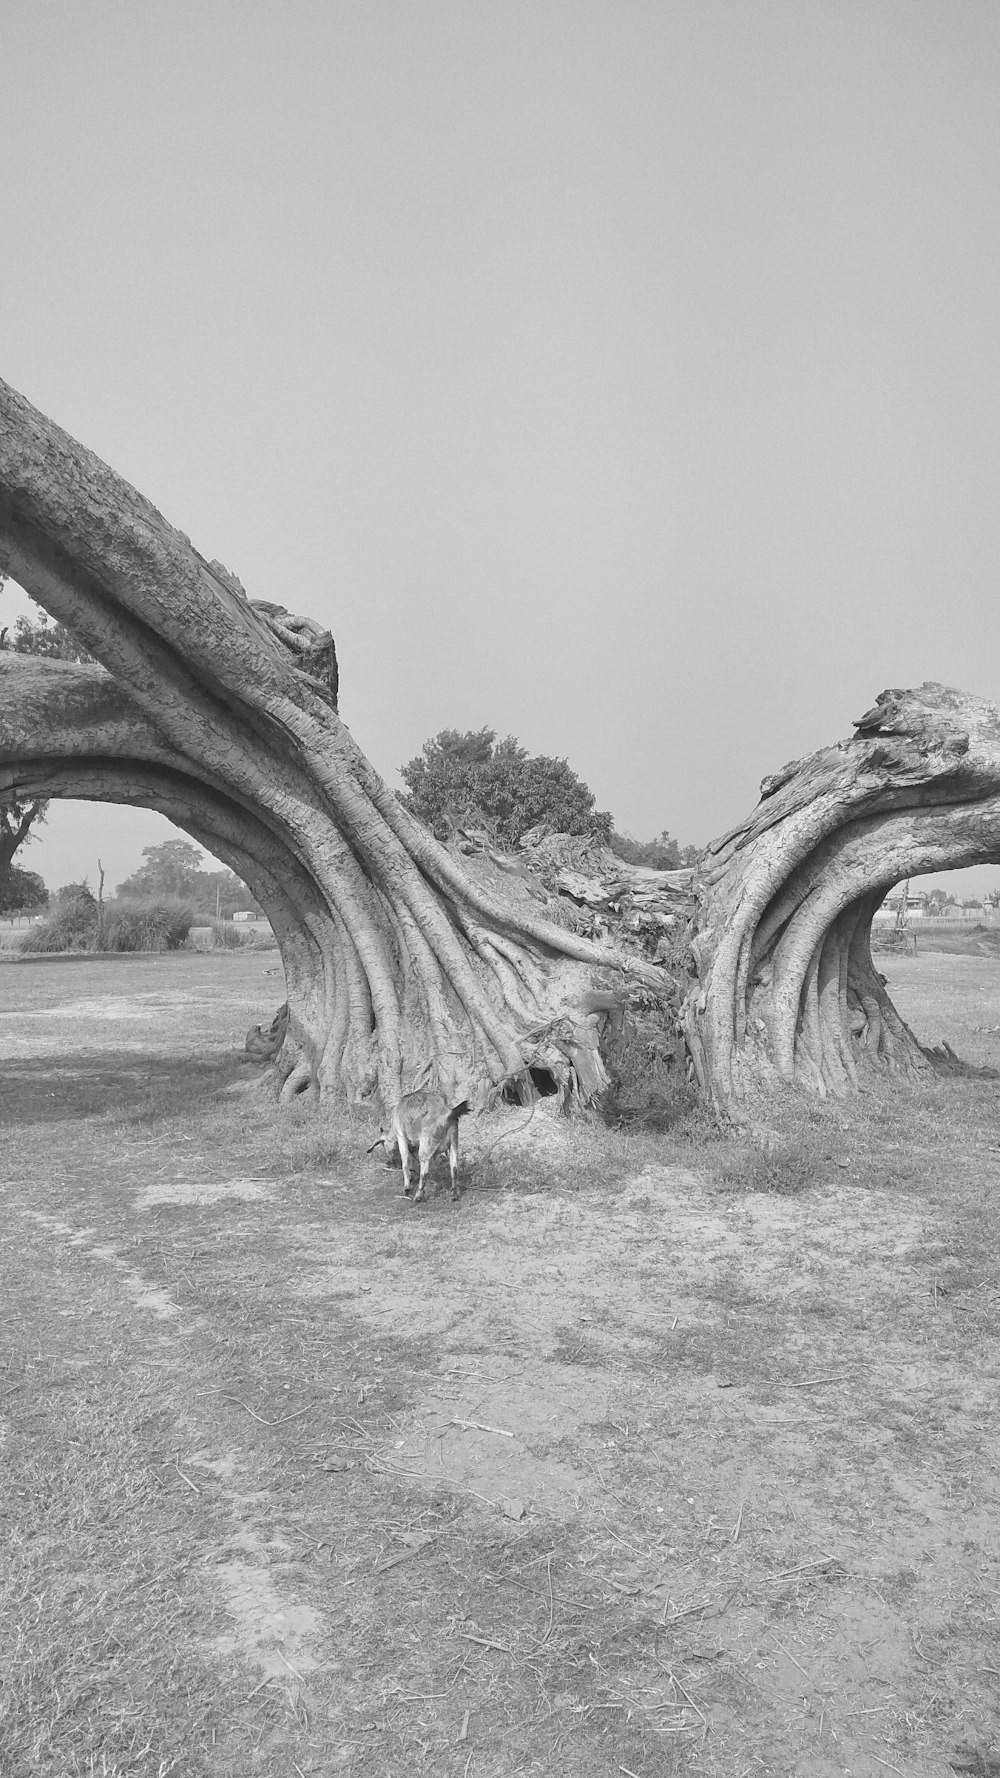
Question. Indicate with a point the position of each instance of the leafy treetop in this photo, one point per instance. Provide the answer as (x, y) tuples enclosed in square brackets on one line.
[(473, 780)]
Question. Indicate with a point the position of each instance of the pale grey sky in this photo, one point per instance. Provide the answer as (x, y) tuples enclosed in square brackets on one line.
[(626, 377)]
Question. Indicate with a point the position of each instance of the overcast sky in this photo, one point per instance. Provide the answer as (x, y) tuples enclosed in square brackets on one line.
[(623, 376)]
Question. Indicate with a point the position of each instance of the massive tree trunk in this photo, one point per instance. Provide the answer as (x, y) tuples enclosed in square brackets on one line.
[(221, 712), (786, 989), (400, 955)]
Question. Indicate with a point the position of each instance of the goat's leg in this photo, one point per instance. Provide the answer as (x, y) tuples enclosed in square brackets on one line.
[(426, 1153), (456, 1189), (404, 1155)]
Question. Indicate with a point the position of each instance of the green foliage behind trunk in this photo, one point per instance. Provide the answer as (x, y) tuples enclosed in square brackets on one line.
[(472, 780)]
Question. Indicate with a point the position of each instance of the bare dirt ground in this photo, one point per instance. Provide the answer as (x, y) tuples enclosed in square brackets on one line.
[(654, 1454)]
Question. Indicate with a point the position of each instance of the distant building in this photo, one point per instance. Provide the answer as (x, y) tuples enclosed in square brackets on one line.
[(916, 907)]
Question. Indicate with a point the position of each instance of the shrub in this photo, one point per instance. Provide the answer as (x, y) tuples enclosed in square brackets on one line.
[(229, 937), (661, 854), (133, 925), (127, 925), (72, 924)]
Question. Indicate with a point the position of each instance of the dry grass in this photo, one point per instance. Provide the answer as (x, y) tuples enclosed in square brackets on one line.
[(957, 938), (661, 1452)]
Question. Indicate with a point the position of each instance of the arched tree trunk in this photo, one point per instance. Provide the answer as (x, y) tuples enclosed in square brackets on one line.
[(221, 712), (785, 985)]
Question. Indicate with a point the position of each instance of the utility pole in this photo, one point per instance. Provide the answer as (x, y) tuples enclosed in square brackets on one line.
[(99, 935)]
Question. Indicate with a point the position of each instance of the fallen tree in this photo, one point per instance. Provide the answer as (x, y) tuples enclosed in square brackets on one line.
[(221, 713), (403, 955)]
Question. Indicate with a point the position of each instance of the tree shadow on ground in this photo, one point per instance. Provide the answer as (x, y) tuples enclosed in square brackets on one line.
[(80, 1085)]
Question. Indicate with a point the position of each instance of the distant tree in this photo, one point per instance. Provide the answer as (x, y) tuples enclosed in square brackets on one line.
[(175, 868), (937, 900), (473, 780), (40, 637), (661, 854), (993, 898), (21, 891), (16, 822)]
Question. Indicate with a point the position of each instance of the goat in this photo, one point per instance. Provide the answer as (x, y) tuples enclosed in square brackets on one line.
[(426, 1122)]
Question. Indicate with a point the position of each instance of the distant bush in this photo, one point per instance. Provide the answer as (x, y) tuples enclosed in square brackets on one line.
[(229, 937), (127, 925), (661, 854), (71, 925), (132, 925)]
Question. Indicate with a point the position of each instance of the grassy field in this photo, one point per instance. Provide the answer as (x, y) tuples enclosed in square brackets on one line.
[(653, 1455)]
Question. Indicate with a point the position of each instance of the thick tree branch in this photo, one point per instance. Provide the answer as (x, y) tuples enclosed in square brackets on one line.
[(786, 987), (225, 710)]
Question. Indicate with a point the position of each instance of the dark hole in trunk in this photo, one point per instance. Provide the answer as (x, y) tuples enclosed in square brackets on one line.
[(542, 1080)]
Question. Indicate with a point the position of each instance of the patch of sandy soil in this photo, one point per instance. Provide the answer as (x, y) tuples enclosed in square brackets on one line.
[(488, 1430), (555, 1280), (273, 1632), (203, 1191)]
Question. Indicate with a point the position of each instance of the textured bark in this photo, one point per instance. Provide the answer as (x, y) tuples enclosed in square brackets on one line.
[(221, 712), (785, 986)]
